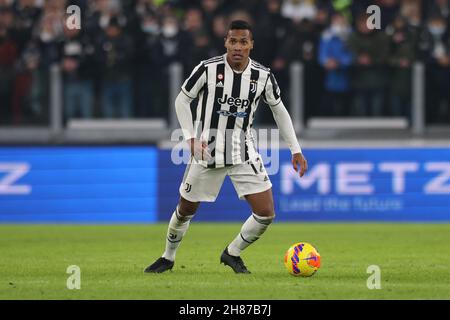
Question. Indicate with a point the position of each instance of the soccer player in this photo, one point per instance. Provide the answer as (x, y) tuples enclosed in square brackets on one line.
[(228, 89)]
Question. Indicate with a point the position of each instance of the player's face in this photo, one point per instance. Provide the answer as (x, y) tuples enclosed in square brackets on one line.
[(239, 43)]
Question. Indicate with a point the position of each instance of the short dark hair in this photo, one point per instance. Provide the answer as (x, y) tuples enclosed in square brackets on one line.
[(240, 25)]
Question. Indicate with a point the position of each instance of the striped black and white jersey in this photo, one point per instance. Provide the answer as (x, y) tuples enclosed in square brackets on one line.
[(227, 102)]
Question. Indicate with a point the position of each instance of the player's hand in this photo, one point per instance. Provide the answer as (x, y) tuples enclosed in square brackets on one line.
[(299, 163), (199, 150)]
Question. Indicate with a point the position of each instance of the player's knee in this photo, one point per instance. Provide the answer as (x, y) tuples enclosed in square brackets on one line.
[(266, 213), (187, 208)]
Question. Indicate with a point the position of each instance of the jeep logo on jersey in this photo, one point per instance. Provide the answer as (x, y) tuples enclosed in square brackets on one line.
[(234, 102), (227, 113)]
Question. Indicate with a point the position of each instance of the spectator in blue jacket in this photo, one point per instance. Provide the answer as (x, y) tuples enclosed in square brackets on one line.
[(336, 58)]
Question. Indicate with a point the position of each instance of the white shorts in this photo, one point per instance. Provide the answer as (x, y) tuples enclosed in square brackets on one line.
[(202, 184)]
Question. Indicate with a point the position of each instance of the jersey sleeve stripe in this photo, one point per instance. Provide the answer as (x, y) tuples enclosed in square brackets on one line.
[(213, 60), (194, 78), (276, 103), (186, 93), (260, 66), (274, 86), (264, 92)]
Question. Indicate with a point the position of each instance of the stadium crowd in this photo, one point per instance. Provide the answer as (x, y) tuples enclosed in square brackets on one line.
[(117, 64)]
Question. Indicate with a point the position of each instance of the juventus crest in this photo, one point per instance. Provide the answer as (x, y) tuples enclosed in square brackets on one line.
[(253, 86)]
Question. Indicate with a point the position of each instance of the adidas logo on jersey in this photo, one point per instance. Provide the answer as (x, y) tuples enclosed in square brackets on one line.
[(219, 85)]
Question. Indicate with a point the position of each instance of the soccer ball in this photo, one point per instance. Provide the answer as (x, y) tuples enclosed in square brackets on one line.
[(302, 260)]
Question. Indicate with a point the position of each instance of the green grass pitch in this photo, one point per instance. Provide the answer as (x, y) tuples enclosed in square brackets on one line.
[(414, 260)]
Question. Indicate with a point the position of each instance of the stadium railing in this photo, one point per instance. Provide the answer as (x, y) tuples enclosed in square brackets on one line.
[(154, 130)]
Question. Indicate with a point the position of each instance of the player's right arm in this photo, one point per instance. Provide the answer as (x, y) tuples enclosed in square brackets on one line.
[(189, 91)]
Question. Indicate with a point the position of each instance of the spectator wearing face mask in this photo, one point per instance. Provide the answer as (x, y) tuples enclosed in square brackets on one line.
[(115, 58), (79, 69), (46, 47), (150, 62), (49, 37), (402, 56), (370, 49), (412, 11), (336, 58), (103, 12), (144, 7), (435, 45), (176, 43)]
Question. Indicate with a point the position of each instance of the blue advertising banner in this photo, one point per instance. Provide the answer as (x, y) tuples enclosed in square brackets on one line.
[(140, 184), (78, 184), (341, 185)]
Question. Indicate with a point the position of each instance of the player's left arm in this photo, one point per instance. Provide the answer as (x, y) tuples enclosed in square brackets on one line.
[(284, 123)]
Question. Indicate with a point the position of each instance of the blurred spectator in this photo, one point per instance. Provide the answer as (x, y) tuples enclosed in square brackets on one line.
[(436, 42), (389, 11), (412, 11), (79, 69), (219, 28), (45, 47), (7, 20), (27, 14), (345, 7), (144, 7), (150, 60), (177, 44), (336, 58), (297, 10), (402, 56), (271, 28), (241, 14), (210, 9), (8, 56), (195, 26), (322, 19), (439, 7), (270, 33), (101, 13), (370, 49), (116, 52), (135, 41), (302, 45)]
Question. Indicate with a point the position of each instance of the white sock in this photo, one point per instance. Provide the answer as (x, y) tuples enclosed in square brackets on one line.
[(252, 229), (178, 226)]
